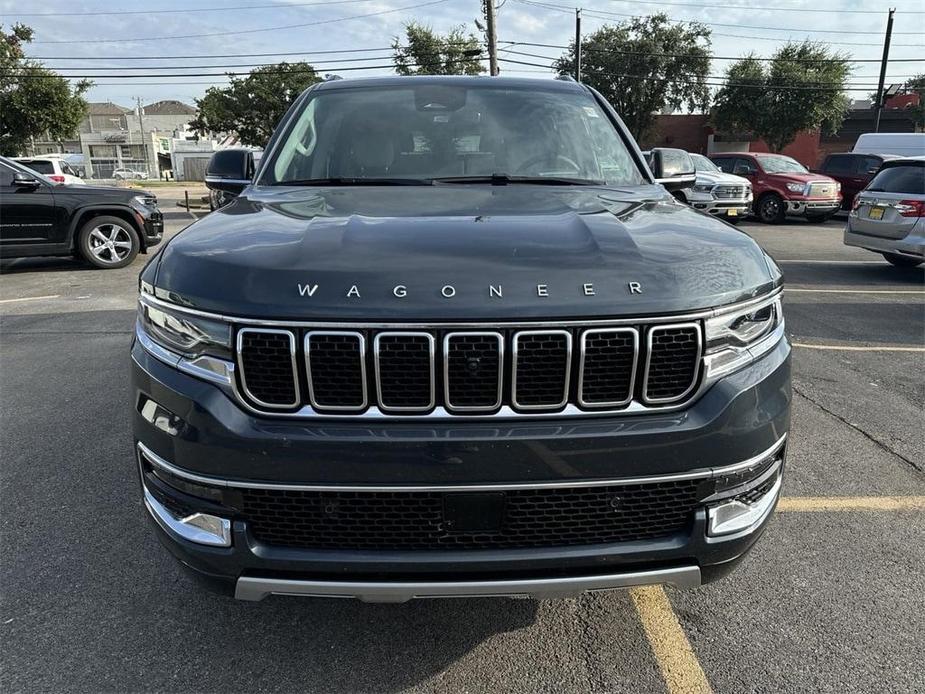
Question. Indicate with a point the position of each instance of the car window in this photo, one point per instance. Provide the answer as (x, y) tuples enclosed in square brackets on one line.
[(428, 131), (843, 164), (66, 168), (744, 167), (6, 176), (726, 165), (900, 179), (43, 166), (780, 164), (701, 163), (868, 165)]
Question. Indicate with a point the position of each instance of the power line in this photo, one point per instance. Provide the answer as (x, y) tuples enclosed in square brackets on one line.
[(210, 55), (185, 10), (552, 6), (752, 8), (715, 57), (251, 31)]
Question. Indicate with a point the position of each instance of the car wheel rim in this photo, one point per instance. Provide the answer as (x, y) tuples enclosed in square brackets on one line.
[(771, 208), (110, 243)]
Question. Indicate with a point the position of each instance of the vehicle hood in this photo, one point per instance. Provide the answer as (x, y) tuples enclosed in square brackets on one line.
[(802, 178), (712, 178), (458, 252), (91, 190)]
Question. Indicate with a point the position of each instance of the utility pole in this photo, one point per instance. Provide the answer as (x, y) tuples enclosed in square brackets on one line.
[(492, 37), (578, 44), (883, 62), (144, 143)]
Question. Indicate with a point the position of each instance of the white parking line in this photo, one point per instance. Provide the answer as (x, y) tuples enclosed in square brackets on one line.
[(29, 298), (854, 291), (833, 262), (847, 348)]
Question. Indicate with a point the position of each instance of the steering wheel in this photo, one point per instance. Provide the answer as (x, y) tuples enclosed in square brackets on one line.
[(542, 158)]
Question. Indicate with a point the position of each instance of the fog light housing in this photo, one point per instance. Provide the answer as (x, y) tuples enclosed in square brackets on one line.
[(743, 511), (201, 528)]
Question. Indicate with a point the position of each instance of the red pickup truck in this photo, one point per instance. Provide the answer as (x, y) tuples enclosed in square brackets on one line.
[(782, 186)]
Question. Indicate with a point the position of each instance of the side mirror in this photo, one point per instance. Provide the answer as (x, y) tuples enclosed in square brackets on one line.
[(230, 171), (673, 168), (25, 181)]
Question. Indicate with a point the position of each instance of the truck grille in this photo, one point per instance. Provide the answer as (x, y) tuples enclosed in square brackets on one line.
[(729, 192), (406, 373), (822, 189), (545, 517)]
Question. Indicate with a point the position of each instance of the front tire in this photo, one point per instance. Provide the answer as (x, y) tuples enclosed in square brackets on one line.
[(772, 209), (901, 260), (108, 242)]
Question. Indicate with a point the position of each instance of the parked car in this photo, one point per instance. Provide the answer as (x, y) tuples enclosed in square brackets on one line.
[(400, 364), (782, 186), (53, 168), (721, 194), (107, 227), (899, 144), (888, 216), (852, 171), (129, 174)]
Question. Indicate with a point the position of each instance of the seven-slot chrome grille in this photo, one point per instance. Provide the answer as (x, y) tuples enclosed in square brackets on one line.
[(727, 192), (467, 372)]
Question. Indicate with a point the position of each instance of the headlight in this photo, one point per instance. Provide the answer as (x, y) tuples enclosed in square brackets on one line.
[(145, 201), (795, 187), (186, 335), (737, 338), (703, 189)]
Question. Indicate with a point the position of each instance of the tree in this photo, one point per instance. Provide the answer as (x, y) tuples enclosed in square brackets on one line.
[(916, 85), (645, 65), (801, 88), (34, 101), (252, 106), (429, 53)]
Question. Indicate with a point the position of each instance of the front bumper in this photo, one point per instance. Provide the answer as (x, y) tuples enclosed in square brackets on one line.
[(194, 430), (720, 207), (153, 225)]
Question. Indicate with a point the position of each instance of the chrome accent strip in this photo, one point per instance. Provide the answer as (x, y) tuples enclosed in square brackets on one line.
[(292, 356), (347, 325), (708, 472), (446, 372), (181, 526), (308, 370), (754, 516), (568, 369), (255, 588), (697, 367), (433, 393), (581, 367)]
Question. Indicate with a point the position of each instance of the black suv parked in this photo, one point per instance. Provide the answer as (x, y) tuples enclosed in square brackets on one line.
[(453, 338), (106, 226)]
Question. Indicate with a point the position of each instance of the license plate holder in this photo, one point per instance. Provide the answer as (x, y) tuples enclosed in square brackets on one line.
[(875, 213), (732, 213), (473, 512)]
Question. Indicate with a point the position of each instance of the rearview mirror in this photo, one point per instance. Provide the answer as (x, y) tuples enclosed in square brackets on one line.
[(673, 168), (24, 180), (230, 170)]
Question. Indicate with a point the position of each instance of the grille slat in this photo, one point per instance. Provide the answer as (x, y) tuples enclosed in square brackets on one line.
[(405, 371), (542, 362), (608, 367), (399, 377), (561, 516), (673, 362), (268, 358), (473, 364), (336, 367)]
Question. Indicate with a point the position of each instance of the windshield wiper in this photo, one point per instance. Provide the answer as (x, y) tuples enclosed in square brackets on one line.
[(501, 179), (354, 181)]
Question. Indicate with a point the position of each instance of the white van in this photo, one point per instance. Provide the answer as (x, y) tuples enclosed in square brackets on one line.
[(903, 144)]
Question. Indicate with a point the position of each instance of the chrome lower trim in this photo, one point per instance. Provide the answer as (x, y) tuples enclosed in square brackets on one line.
[(751, 516), (253, 588), (183, 526), (708, 472)]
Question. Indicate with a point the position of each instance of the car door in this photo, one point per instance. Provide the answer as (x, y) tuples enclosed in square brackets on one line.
[(28, 215)]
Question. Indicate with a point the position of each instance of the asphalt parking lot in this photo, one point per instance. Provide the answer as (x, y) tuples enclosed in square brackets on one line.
[(831, 600)]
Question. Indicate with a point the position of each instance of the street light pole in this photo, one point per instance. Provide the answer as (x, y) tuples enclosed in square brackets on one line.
[(144, 144), (883, 62), (578, 44), (492, 37)]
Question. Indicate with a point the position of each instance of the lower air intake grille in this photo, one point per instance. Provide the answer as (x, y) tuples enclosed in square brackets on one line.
[(268, 359), (556, 517), (542, 362), (337, 370), (674, 362), (405, 369)]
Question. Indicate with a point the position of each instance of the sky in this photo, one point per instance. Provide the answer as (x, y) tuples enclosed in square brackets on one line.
[(82, 37)]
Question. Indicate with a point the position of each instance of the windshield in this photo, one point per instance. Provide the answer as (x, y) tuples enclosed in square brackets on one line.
[(424, 131), (779, 164), (701, 163)]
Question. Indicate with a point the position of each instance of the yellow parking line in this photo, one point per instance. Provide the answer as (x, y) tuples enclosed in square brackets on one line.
[(679, 666), (853, 348), (851, 503)]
